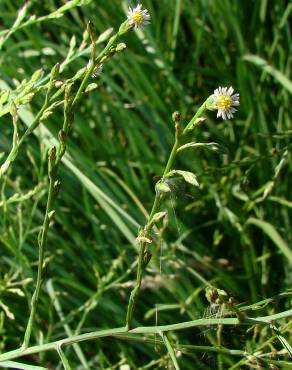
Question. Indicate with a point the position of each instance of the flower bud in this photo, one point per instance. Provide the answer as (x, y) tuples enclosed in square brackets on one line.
[(176, 116)]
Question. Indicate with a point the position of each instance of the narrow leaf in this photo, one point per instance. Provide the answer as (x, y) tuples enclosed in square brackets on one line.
[(20, 366), (158, 216), (188, 176), (282, 340), (275, 73), (273, 234), (170, 351), (211, 146)]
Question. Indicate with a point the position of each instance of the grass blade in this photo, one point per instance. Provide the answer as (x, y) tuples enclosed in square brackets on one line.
[(20, 366), (273, 234), (170, 351), (275, 73)]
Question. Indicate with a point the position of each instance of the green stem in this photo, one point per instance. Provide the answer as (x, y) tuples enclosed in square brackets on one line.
[(219, 344), (171, 158), (150, 330), (154, 207), (147, 228), (42, 244), (53, 178), (90, 70), (135, 292), (53, 165)]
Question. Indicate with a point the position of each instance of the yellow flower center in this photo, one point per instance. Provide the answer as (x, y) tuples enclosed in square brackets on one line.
[(137, 17), (224, 102)]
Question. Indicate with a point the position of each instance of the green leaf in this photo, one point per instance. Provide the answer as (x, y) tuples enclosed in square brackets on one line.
[(170, 351), (38, 74), (21, 14), (197, 122), (211, 146), (104, 35), (20, 366), (282, 340), (158, 216), (63, 358), (273, 234), (4, 95), (282, 201), (188, 176), (162, 187)]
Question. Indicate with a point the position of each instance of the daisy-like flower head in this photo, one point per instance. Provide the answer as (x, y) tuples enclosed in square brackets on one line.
[(224, 101), (138, 17)]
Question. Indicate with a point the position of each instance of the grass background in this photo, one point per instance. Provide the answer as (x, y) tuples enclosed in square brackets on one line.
[(234, 232)]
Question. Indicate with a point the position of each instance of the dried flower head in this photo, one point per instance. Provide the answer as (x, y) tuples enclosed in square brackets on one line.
[(97, 70), (138, 17), (224, 101)]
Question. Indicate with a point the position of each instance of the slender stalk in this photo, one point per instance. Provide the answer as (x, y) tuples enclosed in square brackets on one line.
[(135, 292), (219, 344), (147, 330), (154, 207), (42, 244), (54, 159), (92, 66), (147, 228), (186, 348), (142, 261), (171, 158)]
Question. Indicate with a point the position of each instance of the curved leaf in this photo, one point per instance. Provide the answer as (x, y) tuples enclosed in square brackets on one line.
[(273, 234)]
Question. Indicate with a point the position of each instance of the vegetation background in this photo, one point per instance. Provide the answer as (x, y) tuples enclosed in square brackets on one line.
[(234, 232)]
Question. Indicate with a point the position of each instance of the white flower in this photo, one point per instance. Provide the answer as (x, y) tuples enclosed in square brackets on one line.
[(224, 102), (97, 70), (124, 367), (138, 17)]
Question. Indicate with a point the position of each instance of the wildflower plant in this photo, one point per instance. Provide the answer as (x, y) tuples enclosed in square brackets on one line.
[(68, 94), (162, 187)]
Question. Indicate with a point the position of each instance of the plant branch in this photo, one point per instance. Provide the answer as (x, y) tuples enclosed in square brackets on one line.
[(147, 330)]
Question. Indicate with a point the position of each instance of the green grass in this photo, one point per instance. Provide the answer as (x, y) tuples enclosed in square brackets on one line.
[(233, 232)]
